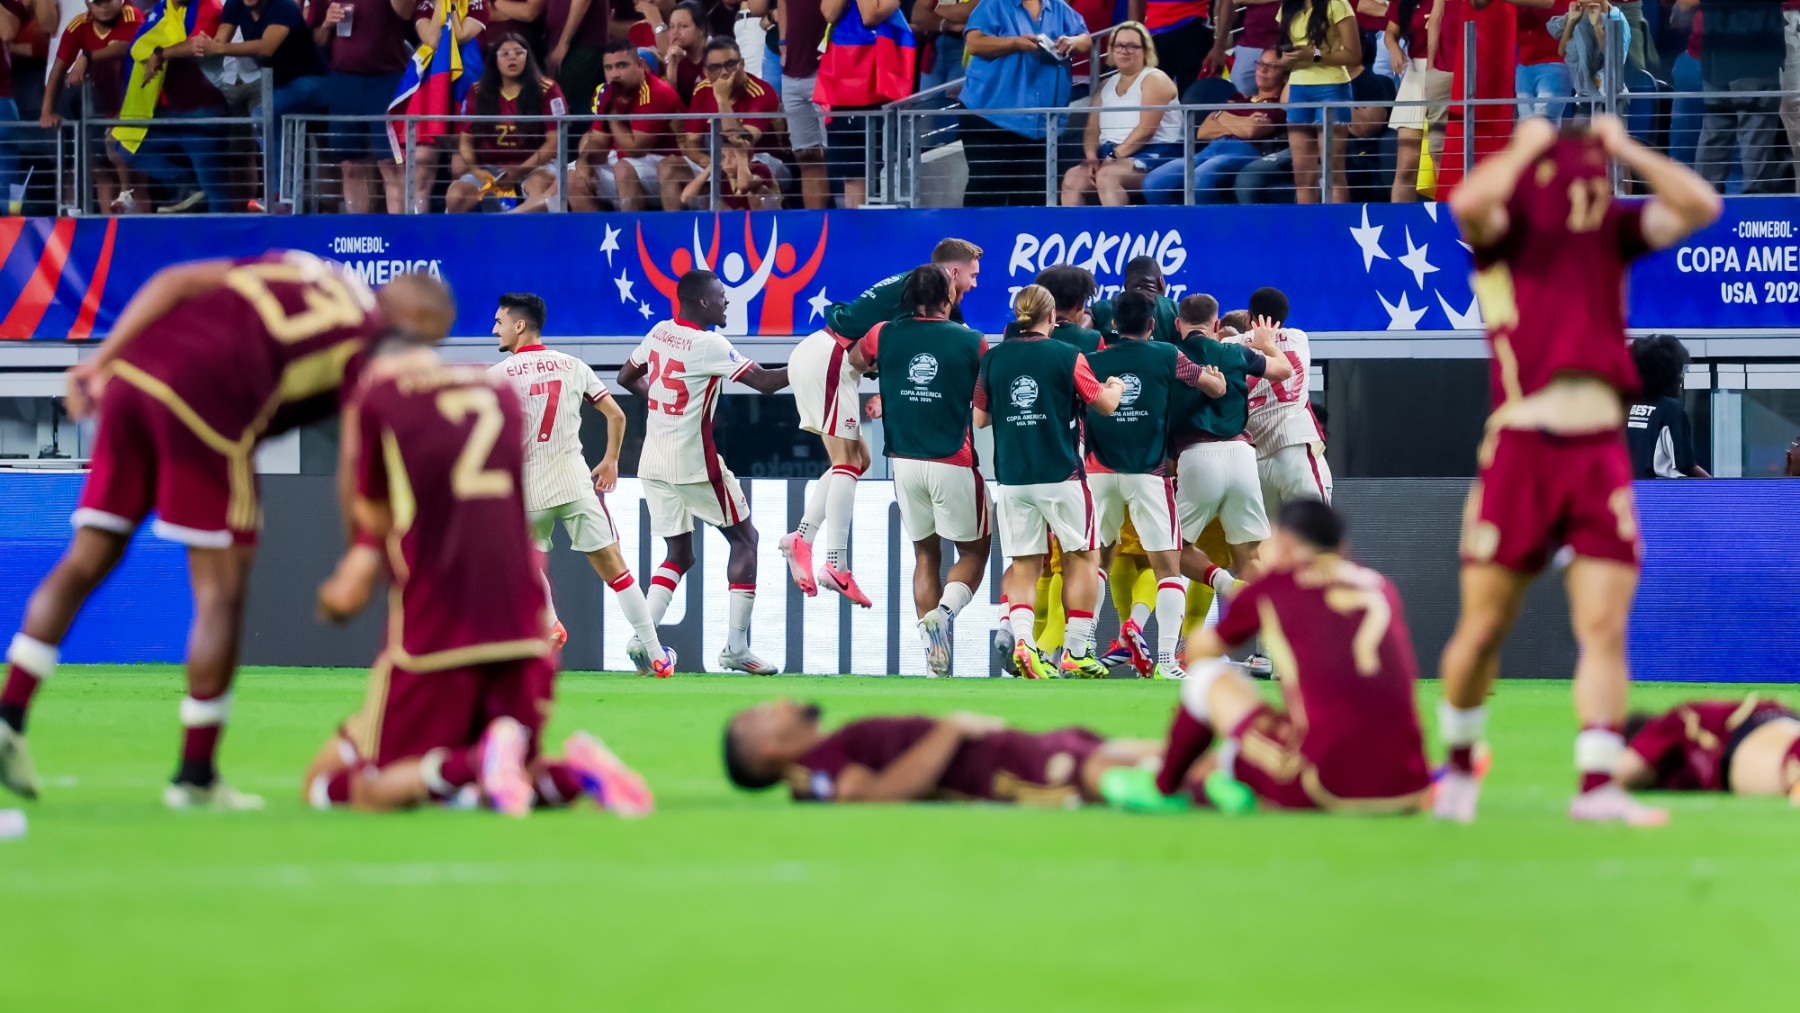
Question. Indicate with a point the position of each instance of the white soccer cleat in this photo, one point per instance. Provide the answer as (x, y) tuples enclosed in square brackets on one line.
[(502, 777), (1003, 648), (745, 661), (639, 655), (1258, 666), (1613, 804), (935, 626), (222, 797), (17, 772), (1454, 797)]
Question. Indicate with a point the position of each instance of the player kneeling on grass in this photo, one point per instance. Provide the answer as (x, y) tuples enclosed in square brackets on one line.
[(1349, 739), (1746, 747), (433, 459), (962, 757)]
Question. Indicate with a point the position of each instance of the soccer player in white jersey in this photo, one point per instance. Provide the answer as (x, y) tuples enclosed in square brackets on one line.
[(1290, 446), (558, 484), (680, 369)]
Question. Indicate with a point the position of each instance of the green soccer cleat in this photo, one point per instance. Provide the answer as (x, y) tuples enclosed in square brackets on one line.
[(1030, 662), (1228, 794), (1085, 667), (1133, 789)]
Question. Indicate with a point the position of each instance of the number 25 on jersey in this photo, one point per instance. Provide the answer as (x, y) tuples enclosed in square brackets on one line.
[(669, 375)]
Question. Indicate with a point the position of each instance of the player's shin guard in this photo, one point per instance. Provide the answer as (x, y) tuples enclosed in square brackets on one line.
[(1462, 730), (662, 590), (1597, 751), (1191, 734), (840, 505), (28, 663), (737, 632), (1171, 598), (203, 723), (637, 611)]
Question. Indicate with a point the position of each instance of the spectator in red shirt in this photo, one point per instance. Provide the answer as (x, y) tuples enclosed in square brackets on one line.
[(366, 53), (13, 17), (187, 95), (1231, 138), (682, 48), (747, 185), (524, 18), (620, 153), (1542, 79), (746, 107), (463, 28), (499, 161), (93, 48), (576, 32)]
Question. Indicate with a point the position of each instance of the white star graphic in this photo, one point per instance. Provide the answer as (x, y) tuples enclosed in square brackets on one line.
[(1431, 209), (1415, 261), (624, 282), (818, 303), (610, 245), (1369, 238), (1469, 320), (1401, 317), (644, 308)]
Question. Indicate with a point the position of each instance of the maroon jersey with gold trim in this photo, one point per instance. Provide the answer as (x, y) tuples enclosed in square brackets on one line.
[(1685, 747), (1552, 288), (509, 143), (444, 446), (1337, 633), (268, 350), (1003, 766)]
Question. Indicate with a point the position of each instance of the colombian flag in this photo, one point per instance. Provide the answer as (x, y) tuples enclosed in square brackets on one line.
[(436, 81), (865, 66), (168, 24)]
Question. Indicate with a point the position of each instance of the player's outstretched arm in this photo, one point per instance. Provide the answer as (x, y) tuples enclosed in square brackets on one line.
[(913, 775), (606, 473), (765, 381), (1682, 202), (1479, 203), (165, 290)]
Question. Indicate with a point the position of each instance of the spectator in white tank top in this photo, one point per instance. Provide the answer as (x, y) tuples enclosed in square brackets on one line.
[(1123, 145)]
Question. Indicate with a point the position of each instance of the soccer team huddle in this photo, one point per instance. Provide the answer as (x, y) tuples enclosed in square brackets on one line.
[(1127, 433)]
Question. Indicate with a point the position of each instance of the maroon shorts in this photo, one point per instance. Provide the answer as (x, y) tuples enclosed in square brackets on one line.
[(408, 714), (1268, 761), (152, 452), (1539, 491)]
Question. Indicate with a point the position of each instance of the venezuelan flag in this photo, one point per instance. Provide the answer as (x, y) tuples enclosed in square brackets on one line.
[(436, 82), (167, 24), (865, 66)]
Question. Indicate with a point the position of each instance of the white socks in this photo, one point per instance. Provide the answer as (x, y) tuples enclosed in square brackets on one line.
[(1140, 613), (737, 635), (1458, 727), (1078, 636), (840, 504), (39, 658), (1221, 581), (1597, 751), (1022, 618), (549, 596), (662, 591), (957, 596), (1171, 605), (637, 611)]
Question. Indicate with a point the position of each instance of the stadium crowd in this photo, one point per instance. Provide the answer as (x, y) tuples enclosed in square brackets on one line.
[(791, 86)]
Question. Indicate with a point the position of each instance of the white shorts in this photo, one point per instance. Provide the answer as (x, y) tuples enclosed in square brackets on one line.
[(674, 507), (587, 521), (1296, 472), (946, 500), (824, 386), (606, 185), (1151, 500), (1422, 84), (1220, 480), (1029, 514), (805, 120)]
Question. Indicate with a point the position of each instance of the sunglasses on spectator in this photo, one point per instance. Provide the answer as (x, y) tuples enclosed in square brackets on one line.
[(728, 65)]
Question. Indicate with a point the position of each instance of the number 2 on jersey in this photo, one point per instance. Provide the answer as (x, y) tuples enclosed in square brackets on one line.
[(548, 422), (670, 376), (1366, 645), (469, 479)]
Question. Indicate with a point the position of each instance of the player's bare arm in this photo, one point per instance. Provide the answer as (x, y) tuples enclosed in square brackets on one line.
[(763, 381), (165, 290), (1682, 202), (911, 776), (1479, 204), (606, 473), (1110, 394), (351, 584), (635, 377)]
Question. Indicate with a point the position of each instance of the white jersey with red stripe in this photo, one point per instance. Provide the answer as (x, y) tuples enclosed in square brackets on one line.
[(553, 386), (688, 368), (1281, 413)]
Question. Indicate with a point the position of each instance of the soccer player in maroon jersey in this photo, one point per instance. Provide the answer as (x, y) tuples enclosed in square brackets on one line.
[(206, 361), (1349, 738), (1551, 250), (1746, 747), (962, 757), (463, 683)]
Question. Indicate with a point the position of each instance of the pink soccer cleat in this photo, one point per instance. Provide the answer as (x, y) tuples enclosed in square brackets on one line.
[(1612, 804), (799, 556), (843, 583), (559, 635), (664, 666), (503, 778), (606, 779)]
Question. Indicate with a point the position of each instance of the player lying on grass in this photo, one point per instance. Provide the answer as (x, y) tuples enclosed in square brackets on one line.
[(1746, 747), (962, 757), (433, 461), (1349, 737)]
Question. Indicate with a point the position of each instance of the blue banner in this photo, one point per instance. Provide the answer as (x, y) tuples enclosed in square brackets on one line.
[(1374, 267)]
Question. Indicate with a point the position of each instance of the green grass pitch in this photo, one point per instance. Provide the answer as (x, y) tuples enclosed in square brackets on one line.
[(727, 901)]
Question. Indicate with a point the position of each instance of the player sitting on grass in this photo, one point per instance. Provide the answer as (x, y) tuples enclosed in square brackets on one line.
[(1349, 739), (1746, 747), (433, 456), (961, 757)]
